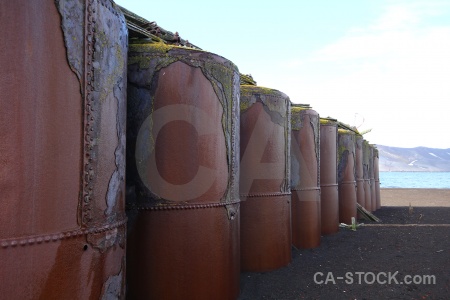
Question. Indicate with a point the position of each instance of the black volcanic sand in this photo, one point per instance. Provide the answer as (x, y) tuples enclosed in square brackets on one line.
[(411, 241)]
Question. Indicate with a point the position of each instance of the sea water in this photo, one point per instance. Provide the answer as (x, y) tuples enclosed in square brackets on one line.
[(424, 180)]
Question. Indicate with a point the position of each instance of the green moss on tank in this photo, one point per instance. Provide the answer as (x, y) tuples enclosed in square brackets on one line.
[(344, 131), (279, 102), (297, 112), (341, 150), (328, 121), (244, 105), (254, 89), (147, 47), (295, 108), (346, 141)]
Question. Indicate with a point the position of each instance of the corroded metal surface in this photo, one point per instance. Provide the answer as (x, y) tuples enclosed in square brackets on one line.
[(359, 171), (264, 179), (376, 168), (366, 176), (373, 195), (329, 196), (305, 180), (182, 174), (62, 227), (346, 176)]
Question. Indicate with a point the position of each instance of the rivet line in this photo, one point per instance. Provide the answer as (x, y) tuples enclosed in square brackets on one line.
[(306, 189), (181, 207), (39, 239), (267, 195)]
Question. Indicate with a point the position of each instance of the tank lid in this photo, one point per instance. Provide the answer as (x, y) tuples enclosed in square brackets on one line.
[(348, 127), (345, 131), (305, 106), (328, 119)]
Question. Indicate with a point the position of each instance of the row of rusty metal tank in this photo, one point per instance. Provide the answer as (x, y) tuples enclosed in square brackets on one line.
[(222, 176)]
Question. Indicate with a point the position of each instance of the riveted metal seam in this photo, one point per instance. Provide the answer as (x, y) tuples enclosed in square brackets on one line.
[(347, 182), (267, 195), (306, 189), (181, 207), (328, 185), (39, 239), (88, 171)]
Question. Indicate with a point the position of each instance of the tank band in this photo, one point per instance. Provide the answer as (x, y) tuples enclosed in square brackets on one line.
[(54, 237), (266, 195), (306, 189), (347, 182), (328, 185), (182, 206)]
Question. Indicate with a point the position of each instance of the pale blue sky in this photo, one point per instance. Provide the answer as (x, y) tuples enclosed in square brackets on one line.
[(380, 64)]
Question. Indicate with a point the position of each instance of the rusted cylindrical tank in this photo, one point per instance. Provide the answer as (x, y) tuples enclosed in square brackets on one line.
[(62, 126), (376, 167), (329, 196), (264, 179), (305, 180), (359, 171), (346, 175), (182, 173), (373, 195), (366, 174)]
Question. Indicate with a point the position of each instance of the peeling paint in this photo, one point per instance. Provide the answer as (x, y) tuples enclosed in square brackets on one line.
[(315, 124), (295, 172), (104, 240), (274, 101), (96, 41), (342, 165), (366, 159), (109, 88), (118, 177), (287, 136), (297, 115), (346, 147), (72, 16), (359, 141), (113, 288)]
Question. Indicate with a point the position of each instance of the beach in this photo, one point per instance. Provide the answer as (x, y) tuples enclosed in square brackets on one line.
[(406, 256), (417, 197)]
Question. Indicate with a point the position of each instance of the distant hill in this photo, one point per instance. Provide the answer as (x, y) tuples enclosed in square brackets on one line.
[(414, 159)]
